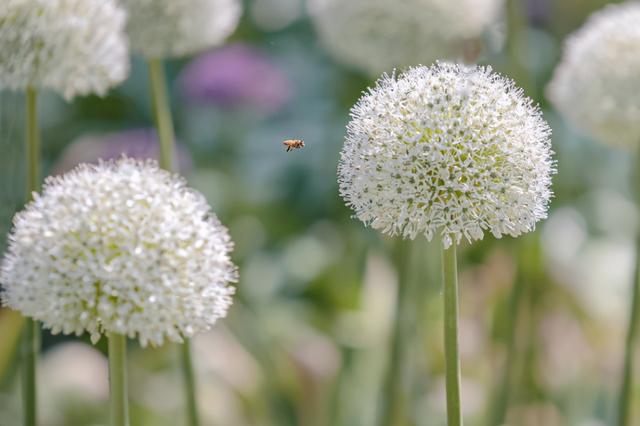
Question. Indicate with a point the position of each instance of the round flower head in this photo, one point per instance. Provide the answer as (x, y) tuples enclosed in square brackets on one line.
[(447, 149), (73, 47), (596, 86), (173, 28), (121, 247), (379, 35)]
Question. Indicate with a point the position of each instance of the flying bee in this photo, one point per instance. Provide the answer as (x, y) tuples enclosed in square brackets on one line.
[(293, 144)]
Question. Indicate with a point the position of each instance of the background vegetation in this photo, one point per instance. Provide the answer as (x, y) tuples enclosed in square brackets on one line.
[(306, 341)]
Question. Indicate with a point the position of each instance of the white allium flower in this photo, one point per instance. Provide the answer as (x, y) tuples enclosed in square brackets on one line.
[(378, 36), (173, 28), (596, 86), (122, 247), (447, 149), (74, 47)]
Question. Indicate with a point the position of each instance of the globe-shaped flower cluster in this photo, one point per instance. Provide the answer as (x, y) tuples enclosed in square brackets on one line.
[(449, 150), (74, 47), (596, 86), (121, 247), (173, 28), (378, 36)]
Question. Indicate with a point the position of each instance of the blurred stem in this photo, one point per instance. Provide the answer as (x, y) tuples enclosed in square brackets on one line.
[(118, 380), (626, 392), (31, 330), (626, 387), (190, 385), (162, 113), (11, 326), (516, 28), (340, 396), (32, 143), (536, 288), (341, 400), (498, 413), (166, 136), (452, 358), (394, 397), (30, 346)]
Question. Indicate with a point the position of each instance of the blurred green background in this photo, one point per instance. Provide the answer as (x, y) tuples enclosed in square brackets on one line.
[(306, 342)]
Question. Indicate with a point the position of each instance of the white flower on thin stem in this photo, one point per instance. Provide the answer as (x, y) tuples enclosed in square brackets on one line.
[(171, 28), (121, 247), (596, 86), (377, 36), (73, 47), (448, 150)]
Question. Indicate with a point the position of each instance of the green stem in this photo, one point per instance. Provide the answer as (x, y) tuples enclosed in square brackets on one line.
[(166, 137), (626, 385), (31, 331), (626, 389), (162, 114), (32, 143), (452, 364), (517, 25), (498, 412), (394, 398), (30, 346), (118, 380), (190, 385)]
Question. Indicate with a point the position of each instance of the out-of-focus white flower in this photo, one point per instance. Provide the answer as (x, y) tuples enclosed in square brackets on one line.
[(450, 149), (122, 247), (71, 371), (377, 36), (274, 15), (74, 368), (595, 86), (74, 47), (173, 28)]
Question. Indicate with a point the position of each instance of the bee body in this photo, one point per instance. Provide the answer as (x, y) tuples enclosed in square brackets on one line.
[(293, 144)]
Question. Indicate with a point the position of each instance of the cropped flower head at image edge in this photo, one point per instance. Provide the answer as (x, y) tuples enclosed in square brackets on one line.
[(120, 247)]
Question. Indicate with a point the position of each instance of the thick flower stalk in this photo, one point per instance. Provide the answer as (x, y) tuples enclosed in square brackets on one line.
[(172, 28), (595, 86), (449, 150), (123, 248), (73, 47), (377, 36)]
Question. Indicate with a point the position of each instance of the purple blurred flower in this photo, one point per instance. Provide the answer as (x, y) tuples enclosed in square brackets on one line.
[(136, 143), (538, 12), (236, 76)]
